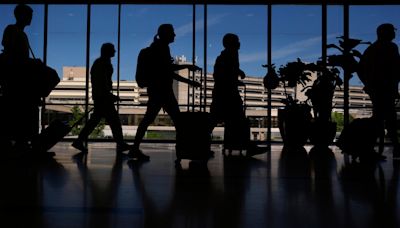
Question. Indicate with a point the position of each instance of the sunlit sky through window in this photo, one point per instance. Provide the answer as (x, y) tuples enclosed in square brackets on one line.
[(296, 32)]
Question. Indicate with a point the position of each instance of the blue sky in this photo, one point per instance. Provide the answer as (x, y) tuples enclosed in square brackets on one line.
[(296, 32)]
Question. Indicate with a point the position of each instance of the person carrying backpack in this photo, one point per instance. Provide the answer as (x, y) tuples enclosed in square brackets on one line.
[(156, 71)]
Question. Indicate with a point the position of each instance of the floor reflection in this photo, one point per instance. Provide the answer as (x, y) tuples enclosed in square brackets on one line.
[(301, 187)]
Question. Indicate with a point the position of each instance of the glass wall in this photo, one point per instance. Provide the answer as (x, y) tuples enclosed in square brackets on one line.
[(296, 33), (66, 52)]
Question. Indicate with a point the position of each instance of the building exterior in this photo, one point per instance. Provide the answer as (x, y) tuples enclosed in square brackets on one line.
[(71, 92)]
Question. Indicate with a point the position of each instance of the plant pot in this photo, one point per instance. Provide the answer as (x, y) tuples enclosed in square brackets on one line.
[(322, 133), (294, 122)]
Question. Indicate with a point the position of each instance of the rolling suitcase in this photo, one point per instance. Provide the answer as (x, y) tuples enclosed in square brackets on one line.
[(237, 132), (358, 139), (236, 136), (193, 138), (54, 133)]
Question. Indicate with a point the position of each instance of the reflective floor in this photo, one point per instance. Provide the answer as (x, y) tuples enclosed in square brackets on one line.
[(279, 189)]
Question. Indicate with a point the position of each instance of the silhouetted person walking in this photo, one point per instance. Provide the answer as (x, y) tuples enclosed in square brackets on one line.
[(19, 95), (380, 73), (227, 105), (101, 78), (159, 88)]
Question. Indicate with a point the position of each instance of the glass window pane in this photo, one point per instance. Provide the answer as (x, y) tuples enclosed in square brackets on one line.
[(297, 35), (104, 29), (67, 52)]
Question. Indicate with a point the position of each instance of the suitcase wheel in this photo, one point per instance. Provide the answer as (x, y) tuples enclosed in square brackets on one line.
[(178, 163), (224, 151)]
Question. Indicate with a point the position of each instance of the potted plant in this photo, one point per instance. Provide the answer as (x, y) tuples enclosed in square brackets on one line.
[(295, 117), (321, 93), (295, 121), (320, 96)]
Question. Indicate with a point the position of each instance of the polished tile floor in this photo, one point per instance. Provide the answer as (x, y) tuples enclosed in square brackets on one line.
[(305, 188)]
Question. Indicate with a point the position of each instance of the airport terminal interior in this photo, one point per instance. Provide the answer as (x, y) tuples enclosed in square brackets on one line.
[(306, 186)]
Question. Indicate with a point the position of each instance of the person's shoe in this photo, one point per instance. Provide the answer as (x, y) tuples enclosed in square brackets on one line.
[(137, 154), (123, 147), (255, 150), (77, 144)]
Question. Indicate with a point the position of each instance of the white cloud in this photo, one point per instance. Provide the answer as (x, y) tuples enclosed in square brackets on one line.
[(287, 50), (187, 28), (252, 57), (298, 47)]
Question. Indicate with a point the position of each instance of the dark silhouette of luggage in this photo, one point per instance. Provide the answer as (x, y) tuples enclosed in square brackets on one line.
[(47, 77), (54, 133), (48, 80), (193, 138), (358, 139), (237, 133)]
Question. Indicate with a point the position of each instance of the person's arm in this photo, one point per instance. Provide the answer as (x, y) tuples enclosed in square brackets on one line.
[(7, 38), (241, 74), (191, 67), (185, 80)]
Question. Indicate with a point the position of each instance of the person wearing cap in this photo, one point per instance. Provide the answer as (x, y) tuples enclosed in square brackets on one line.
[(159, 89), (380, 73)]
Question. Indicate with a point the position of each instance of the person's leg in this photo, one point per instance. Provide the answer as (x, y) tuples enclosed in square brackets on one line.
[(378, 114), (87, 129), (171, 106), (391, 126), (153, 108), (112, 118), (151, 113)]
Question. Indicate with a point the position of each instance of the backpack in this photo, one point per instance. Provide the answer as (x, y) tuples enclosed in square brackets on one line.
[(143, 67)]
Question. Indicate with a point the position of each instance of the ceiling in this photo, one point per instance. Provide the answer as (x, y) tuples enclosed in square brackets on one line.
[(227, 2)]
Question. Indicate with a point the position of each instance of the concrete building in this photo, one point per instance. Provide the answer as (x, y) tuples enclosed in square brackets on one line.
[(71, 92)]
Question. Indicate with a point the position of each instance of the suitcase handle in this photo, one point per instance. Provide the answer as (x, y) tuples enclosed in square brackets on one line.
[(80, 119), (192, 76), (242, 84)]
